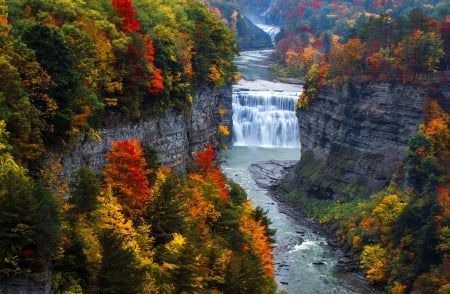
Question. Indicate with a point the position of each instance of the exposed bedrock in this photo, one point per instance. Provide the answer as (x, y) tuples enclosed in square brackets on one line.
[(176, 135), (353, 137)]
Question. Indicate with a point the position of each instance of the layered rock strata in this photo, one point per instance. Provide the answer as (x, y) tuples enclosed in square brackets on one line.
[(176, 135), (353, 137)]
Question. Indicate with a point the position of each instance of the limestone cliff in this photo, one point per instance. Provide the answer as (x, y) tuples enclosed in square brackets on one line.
[(353, 137), (175, 135)]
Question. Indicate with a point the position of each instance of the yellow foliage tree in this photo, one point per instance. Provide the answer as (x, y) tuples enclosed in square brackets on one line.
[(214, 76), (223, 130), (374, 263)]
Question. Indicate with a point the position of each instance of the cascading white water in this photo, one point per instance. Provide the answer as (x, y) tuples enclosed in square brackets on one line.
[(271, 30), (265, 118), (263, 111)]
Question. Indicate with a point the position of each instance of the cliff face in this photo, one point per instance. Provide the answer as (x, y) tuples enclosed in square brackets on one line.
[(176, 136), (250, 37), (353, 137)]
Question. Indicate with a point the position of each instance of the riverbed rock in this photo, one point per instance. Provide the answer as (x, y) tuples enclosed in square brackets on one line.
[(269, 174)]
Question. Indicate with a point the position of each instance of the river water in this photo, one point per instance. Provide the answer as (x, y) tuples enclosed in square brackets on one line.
[(304, 262)]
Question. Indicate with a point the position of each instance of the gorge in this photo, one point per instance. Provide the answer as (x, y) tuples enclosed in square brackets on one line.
[(354, 136), (135, 158), (265, 130)]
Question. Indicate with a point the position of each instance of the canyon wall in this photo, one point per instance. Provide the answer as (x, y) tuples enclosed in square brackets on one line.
[(176, 135), (353, 137)]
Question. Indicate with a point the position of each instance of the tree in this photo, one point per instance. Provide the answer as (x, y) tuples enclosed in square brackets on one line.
[(419, 52), (125, 172), (155, 80), (120, 272), (260, 244), (126, 11), (374, 263), (166, 210), (353, 49), (28, 224), (204, 158), (183, 263), (54, 56), (84, 189)]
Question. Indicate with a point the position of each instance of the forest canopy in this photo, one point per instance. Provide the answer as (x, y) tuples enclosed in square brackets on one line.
[(400, 235), (71, 67)]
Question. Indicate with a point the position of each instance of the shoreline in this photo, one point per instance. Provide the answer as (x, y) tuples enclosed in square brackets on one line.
[(269, 175)]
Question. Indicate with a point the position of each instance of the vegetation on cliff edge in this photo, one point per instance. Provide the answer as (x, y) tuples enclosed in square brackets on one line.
[(399, 235)]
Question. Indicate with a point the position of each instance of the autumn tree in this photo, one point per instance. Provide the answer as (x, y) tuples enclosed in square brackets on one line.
[(155, 80), (126, 11), (125, 172), (419, 52), (315, 79), (374, 263)]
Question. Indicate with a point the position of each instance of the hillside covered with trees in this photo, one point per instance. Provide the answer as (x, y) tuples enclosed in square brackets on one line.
[(400, 234), (71, 67)]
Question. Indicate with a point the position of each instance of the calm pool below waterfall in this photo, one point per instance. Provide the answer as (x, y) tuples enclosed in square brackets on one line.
[(304, 262)]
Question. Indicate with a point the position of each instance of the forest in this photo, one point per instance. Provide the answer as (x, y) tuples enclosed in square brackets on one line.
[(400, 235), (71, 67)]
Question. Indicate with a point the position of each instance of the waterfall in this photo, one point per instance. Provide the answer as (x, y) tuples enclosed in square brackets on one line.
[(269, 29), (265, 118)]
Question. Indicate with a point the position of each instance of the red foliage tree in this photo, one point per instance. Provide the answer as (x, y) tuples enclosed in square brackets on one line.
[(204, 158), (154, 77), (126, 11), (125, 172)]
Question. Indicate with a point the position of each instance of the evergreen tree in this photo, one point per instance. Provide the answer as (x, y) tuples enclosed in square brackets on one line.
[(165, 212), (119, 273), (84, 189)]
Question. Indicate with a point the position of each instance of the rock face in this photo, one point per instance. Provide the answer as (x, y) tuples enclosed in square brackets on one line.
[(176, 136), (269, 174), (250, 37), (35, 283), (354, 136)]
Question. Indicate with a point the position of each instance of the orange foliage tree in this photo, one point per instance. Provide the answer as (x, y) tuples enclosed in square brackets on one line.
[(155, 80), (261, 244), (125, 172)]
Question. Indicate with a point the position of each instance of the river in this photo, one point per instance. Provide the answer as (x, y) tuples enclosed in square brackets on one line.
[(262, 111)]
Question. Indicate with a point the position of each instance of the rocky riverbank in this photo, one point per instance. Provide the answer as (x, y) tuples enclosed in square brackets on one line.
[(269, 175)]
